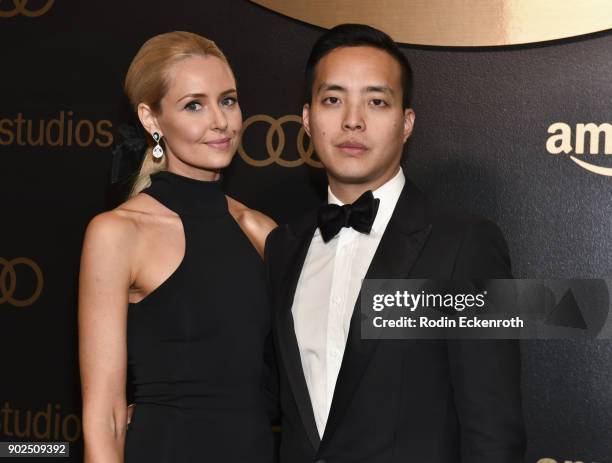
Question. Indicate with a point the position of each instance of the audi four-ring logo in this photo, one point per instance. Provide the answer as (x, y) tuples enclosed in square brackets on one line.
[(21, 7), (8, 281), (275, 152)]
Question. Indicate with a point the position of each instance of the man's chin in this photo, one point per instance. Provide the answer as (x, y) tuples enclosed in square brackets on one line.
[(350, 177)]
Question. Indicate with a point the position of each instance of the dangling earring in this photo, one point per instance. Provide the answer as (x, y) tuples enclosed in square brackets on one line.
[(158, 151)]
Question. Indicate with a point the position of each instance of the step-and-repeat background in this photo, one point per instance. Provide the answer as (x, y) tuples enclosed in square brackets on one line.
[(519, 133)]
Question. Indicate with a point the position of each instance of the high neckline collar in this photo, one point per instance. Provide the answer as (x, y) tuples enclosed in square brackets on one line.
[(185, 195)]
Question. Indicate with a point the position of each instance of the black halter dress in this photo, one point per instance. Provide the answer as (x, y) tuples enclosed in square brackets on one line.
[(196, 343)]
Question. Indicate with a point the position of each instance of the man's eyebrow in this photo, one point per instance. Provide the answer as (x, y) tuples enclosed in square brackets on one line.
[(326, 87), (379, 88)]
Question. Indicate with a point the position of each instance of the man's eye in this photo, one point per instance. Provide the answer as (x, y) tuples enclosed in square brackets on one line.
[(379, 102), (193, 106), (331, 100), (229, 101)]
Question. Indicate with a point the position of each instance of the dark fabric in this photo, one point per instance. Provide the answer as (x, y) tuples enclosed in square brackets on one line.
[(358, 215), (425, 401), (196, 344)]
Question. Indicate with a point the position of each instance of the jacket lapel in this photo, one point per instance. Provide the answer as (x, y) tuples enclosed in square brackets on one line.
[(295, 254), (398, 250)]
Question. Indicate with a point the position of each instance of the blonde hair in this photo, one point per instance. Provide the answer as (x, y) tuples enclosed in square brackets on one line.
[(147, 82)]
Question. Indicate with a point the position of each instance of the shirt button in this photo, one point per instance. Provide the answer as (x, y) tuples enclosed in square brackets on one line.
[(336, 300), (334, 353)]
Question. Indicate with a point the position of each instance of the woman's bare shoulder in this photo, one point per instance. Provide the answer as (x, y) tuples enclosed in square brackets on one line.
[(123, 223), (251, 219)]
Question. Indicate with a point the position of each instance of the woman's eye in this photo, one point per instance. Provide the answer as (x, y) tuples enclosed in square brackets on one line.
[(229, 101), (331, 100), (379, 102), (193, 106)]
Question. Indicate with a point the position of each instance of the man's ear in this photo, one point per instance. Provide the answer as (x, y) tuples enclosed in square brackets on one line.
[(148, 119), (306, 118), (409, 117)]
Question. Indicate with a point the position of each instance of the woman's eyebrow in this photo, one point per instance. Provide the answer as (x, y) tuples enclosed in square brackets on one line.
[(192, 95), (203, 95)]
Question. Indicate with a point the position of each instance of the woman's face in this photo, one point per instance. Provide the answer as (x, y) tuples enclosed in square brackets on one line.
[(200, 119)]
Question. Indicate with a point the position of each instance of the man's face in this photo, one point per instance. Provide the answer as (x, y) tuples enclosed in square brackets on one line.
[(355, 118)]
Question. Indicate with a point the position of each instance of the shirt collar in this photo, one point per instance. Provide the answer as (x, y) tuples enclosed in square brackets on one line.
[(388, 193)]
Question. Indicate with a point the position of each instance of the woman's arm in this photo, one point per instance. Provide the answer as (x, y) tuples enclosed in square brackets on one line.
[(255, 225), (105, 280), (258, 226)]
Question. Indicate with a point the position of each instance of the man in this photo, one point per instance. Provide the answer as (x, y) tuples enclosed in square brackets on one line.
[(345, 399)]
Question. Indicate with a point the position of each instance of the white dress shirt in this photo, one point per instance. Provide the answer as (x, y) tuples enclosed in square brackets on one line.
[(326, 295)]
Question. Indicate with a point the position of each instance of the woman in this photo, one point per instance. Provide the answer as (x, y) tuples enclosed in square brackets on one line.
[(172, 281)]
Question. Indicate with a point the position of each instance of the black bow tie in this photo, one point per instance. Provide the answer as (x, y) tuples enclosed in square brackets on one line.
[(359, 215)]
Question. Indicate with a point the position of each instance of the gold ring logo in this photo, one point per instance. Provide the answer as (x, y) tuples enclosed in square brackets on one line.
[(275, 153), (20, 8), (8, 281)]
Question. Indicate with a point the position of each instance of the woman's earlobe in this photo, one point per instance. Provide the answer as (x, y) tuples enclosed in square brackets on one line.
[(147, 118)]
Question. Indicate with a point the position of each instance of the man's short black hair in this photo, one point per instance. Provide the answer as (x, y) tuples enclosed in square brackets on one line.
[(356, 35)]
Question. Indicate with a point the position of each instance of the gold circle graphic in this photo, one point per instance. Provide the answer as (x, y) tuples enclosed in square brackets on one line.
[(275, 153), (7, 290), (20, 7), (457, 23)]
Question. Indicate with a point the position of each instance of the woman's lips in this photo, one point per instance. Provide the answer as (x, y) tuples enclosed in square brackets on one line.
[(220, 144)]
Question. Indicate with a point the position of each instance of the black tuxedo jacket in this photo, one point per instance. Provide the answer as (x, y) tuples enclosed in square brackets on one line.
[(410, 401)]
